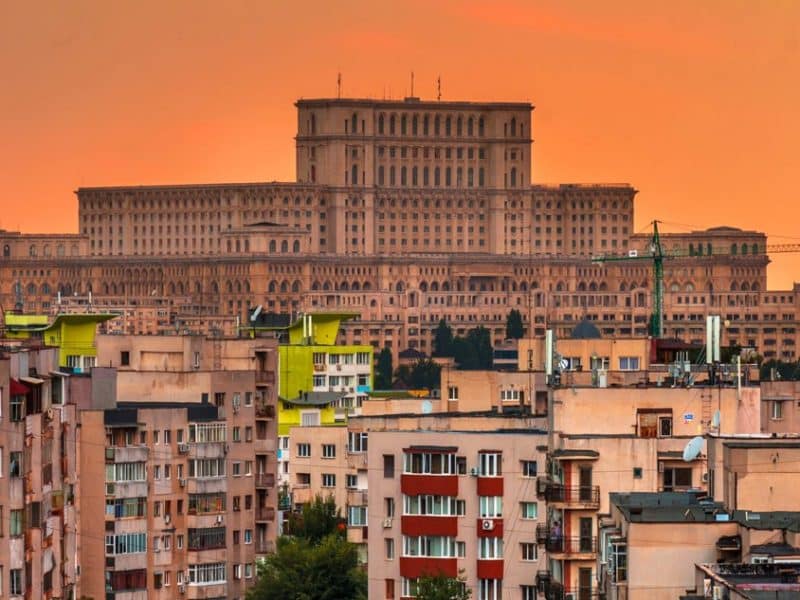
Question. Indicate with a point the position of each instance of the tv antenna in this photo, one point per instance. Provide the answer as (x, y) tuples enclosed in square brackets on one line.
[(412, 84), (439, 88), (339, 85)]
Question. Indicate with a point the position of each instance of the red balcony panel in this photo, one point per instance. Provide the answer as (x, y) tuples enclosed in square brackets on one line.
[(416, 566), (437, 485), (428, 525), (490, 569), (490, 486), (495, 531)]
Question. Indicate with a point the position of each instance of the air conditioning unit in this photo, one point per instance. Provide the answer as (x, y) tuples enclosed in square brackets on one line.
[(50, 413), (181, 589), (182, 482), (227, 448), (338, 367), (487, 524), (219, 519), (183, 448), (167, 518), (474, 471), (387, 523), (705, 477), (109, 489)]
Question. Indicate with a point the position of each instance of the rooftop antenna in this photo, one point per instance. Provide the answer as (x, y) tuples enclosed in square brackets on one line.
[(439, 88), (412, 84), (339, 85)]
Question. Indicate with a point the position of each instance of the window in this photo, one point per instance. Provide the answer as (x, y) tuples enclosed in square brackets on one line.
[(491, 506), (15, 522), (124, 358), (490, 464), (357, 441), (303, 450), (14, 464), (529, 592), (319, 381), (628, 363), (207, 573), (452, 392), (529, 510), (126, 543), (389, 505), (619, 561), (389, 589), (529, 551), (529, 468), (203, 468), (237, 434), (388, 466), (777, 410), (328, 480), (389, 543), (429, 463), (511, 395), (248, 536), (15, 582), (434, 546), (665, 426), (677, 479), (490, 547), (490, 589), (17, 407), (130, 471), (310, 418), (433, 505), (357, 516), (328, 450)]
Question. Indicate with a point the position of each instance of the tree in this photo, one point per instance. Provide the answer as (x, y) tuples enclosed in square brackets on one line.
[(318, 519), (302, 570), (443, 339), (514, 327), (383, 370), (425, 374), (442, 587), (473, 352)]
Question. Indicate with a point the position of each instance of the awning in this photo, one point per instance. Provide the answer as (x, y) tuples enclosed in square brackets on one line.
[(59, 374), (575, 454), (17, 389), (32, 380), (314, 398)]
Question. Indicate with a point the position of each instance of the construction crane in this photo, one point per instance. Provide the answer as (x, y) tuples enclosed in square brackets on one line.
[(657, 255)]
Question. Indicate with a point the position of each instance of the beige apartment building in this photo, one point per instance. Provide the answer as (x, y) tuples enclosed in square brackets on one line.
[(451, 492), (185, 426), (38, 473)]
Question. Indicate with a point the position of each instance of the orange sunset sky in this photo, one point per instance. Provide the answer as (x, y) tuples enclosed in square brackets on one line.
[(696, 104)]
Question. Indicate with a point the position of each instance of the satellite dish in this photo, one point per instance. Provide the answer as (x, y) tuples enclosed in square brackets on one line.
[(715, 420), (427, 407), (693, 448), (564, 364)]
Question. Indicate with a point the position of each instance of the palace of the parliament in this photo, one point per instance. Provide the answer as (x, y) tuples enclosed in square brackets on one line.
[(405, 212)]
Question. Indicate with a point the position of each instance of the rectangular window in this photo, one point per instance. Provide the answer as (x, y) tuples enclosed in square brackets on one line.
[(490, 589), (777, 410), (328, 450), (17, 408), (429, 463), (309, 418), (529, 592), (389, 505), (529, 468), (207, 573), (205, 468), (303, 450), (491, 507), (15, 522), (452, 392), (124, 358), (15, 582), (529, 510), (357, 516), (619, 561), (628, 363), (14, 464), (357, 441), (529, 551), (351, 481), (389, 543), (388, 466), (490, 464), (491, 547), (328, 480)]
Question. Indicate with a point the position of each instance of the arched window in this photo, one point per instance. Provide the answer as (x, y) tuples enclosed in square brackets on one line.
[(32, 251), (448, 177), (437, 125), (480, 127), (296, 246), (272, 287), (733, 248), (7, 251), (391, 124), (313, 124), (425, 178), (754, 249), (295, 286), (437, 176), (414, 125), (708, 249), (691, 249), (414, 176), (458, 127), (403, 125), (272, 246), (513, 176), (60, 250), (403, 176), (481, 177), (354, 123), (380, 175), (448, 127), (744, 249), (31, 289), (284, 246), (470, 177), (470, 132), (284, 287), (513, 126), (313, 173), (46, 289), (391, 175), (380, 124), (354, 175), (459, 177), (425, 120)]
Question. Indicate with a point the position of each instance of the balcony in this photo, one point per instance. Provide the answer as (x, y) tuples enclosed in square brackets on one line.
[(265, 546), (265, 480), (208, 450), (357, 497), (556, 591), (264, 377), (584, 497), (302, 494), (126, 454), (265, 513), (264, 410), (575, 548)]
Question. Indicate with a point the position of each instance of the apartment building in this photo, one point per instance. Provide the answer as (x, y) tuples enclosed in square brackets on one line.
[(38, 473), (450, 492), (780, 407), (187, 429)]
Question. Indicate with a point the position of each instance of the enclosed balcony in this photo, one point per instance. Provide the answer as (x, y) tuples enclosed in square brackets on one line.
[(265, 480), (572, 548)]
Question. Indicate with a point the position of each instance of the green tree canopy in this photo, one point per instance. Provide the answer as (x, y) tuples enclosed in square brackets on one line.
[(383, 370), (442, 587), (318, 519), (425, 374), (514, 327), (301, 570), (473, 352), (443, 339)]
